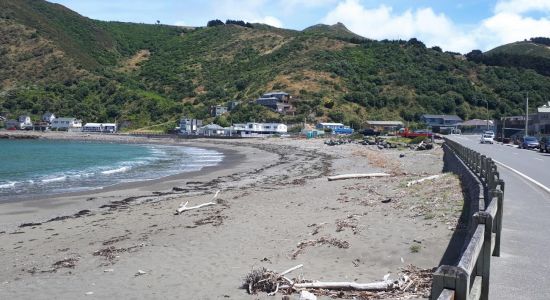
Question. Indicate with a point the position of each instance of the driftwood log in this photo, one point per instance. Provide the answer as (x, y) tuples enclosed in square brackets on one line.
[(373, 286), (356, 176), (422, 180), (183, 207)]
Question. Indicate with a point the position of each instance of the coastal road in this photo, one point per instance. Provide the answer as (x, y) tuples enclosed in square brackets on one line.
[(523, 269)]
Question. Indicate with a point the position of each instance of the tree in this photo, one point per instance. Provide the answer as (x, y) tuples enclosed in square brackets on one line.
[(213, 23)]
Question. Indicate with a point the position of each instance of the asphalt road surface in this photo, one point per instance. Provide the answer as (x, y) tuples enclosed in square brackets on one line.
[(523, 269)]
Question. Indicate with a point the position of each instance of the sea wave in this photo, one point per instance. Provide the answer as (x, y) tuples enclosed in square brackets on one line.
[(54, 179), (114, 171), (8, 185)]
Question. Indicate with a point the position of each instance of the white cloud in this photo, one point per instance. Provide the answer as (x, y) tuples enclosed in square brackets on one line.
[(437, 29), (180, 23), (382, 23), (522, 6), (269, 20)]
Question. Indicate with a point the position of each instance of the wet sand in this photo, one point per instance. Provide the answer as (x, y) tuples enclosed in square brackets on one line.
[(274, 197)]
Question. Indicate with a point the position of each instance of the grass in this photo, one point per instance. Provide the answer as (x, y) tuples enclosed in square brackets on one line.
[(415, 248)]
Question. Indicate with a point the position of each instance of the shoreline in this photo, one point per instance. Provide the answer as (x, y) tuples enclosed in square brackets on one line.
[(275, 209)]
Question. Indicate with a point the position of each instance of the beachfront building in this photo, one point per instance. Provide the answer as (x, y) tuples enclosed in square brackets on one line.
[(253, 129), (476, 126), (218, 110), (385, 126), (190, 126), (100, 127), (211, 130), (440, 123), (66, 124), (11, 124), (48, 117), (24, 122), (335, 128)]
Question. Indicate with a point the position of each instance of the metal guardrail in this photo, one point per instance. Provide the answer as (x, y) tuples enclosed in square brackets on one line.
[(469, 279)]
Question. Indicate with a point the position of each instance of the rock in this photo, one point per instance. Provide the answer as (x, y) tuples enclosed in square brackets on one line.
[(109, 270), (305, 295), (401, 155), (89, 293), (140, 272)]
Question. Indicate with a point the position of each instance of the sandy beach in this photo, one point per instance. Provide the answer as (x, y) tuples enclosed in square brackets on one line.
[(276, 209)]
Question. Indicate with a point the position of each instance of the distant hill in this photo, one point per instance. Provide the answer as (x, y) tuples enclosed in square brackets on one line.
[(337, 31), (533, 54), (52, 59), (532, 47)]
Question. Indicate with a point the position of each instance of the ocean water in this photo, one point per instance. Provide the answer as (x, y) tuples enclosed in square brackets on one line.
[(31, 168)]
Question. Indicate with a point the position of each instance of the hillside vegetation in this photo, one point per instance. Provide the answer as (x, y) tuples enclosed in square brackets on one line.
[(56, 60)]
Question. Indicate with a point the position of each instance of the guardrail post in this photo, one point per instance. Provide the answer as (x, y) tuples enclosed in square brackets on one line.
[(483, 266), (498, 219), (453, 278)]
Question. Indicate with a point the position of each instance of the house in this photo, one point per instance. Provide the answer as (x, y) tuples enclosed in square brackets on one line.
[(476, 126), (542, 119), (211, 130), (441, 120), (66, 124), (253, 129), (385, 126), (218, 110), (11, 124), (232, 105), (335, 128), (24, 122), (277, 101), (190, 126), (100, 127), (48, 117)]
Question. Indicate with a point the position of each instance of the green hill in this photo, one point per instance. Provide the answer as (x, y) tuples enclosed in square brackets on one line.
[(529, 48), (52, 59)]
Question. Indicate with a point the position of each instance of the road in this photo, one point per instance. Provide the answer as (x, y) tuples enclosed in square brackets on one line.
[(523, 269)]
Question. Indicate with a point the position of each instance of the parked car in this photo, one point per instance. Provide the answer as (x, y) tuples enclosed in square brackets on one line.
[(370, 132), (491, 133), (529, 142), (544, 144), (486, 139)]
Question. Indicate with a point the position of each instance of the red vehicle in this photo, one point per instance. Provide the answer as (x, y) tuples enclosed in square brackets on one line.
[(405, 132)]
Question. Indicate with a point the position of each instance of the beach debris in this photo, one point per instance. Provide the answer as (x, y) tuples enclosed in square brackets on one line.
[(411, 283), (140, 272), (423, 179), (79, 214), (29, 225), (108, 270), (183, 207), (356, 176), (65, 263), (320, 241), (89, 293), (214, 220), (386, 201)]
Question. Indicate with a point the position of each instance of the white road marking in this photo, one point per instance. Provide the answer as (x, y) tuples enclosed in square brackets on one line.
[(540, 185)]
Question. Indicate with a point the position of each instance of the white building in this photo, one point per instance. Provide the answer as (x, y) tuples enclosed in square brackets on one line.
[(66, 124), (48, 117), (100, 127), (211, 129), (24, 122), (190, 126), (257, 129)]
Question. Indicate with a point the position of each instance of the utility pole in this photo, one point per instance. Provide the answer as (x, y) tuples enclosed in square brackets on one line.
[(527, 114), (487, 103)]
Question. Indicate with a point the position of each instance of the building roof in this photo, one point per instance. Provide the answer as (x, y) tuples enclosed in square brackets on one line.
[(476, 122), (385, 123), (331, 124), (545, 108), (444, 117), (64, 119), (276, 93), (99, 124), (212, 127)]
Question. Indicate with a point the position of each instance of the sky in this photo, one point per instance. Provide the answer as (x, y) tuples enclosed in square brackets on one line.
[(453, 25)]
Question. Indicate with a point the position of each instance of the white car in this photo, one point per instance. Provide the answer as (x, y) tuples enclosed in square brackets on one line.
[(491, 133), (487, 139)]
